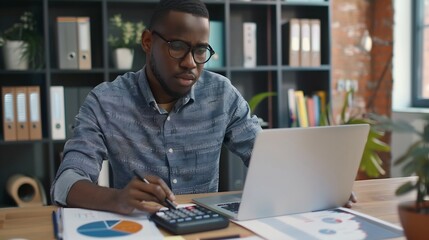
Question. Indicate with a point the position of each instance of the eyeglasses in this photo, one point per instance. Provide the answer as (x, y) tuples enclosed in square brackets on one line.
[(179, 49)]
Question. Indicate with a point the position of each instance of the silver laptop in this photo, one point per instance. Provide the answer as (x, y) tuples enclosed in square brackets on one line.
[(294, 170)]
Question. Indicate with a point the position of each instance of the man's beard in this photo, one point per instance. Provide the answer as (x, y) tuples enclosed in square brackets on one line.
[(156, 73)]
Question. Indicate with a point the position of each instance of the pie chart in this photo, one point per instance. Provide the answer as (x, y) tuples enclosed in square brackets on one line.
[(109, 228)]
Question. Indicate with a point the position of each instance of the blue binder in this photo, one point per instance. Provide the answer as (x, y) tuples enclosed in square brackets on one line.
[(216, 40)]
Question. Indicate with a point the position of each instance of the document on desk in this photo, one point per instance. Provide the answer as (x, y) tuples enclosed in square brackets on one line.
[(339, 223), (85, 224)]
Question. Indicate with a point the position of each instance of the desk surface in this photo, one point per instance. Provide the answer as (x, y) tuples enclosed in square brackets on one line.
[(375, 198)]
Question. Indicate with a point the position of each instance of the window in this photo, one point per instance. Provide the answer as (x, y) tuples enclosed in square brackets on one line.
[(420, 66)]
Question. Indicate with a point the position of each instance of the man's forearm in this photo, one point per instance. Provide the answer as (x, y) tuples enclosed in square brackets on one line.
[(85, 194)]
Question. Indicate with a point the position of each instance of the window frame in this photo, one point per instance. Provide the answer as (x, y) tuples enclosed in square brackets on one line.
[(417, 58)]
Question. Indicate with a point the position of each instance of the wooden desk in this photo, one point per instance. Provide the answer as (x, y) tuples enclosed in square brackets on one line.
[(375, 198)]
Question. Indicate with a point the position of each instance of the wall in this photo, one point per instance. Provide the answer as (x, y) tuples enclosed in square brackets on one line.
[(371, 70)]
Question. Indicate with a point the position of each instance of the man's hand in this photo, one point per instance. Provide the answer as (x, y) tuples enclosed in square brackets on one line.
[(352, 200), (149, 197)]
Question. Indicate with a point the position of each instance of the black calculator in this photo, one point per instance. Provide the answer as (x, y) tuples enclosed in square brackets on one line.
[(189, 219)]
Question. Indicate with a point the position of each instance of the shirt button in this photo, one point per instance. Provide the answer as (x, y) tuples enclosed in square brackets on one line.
[(170, 150), (174, 181), (168, 118)]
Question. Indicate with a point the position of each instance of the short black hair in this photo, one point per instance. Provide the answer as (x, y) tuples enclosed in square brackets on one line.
[(194, 7)]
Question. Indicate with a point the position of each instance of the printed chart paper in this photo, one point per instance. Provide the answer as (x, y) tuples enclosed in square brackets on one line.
[(339, 223), (89, 224)]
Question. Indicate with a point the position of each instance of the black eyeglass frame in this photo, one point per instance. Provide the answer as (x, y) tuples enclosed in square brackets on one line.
[(190, 48)]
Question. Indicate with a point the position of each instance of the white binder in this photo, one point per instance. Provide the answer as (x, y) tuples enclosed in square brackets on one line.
[(57, 113), (22, 122), (249, 44), (84, 42), (34, 112), (9, 121)]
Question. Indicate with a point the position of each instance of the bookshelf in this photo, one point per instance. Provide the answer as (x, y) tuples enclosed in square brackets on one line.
[(41, 158)]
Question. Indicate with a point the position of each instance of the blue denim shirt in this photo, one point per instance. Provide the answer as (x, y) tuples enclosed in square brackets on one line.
[(121, 121)]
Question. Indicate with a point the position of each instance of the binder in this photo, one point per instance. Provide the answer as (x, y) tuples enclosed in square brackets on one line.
[(315, 42), (249, 44), (57, 113), (293, 31), (236, 22), (21, 116), (216, 41), (34, 112), (84, 42), (67, 42), (72, 103), (305, 43), (8, 106), (73, 99)]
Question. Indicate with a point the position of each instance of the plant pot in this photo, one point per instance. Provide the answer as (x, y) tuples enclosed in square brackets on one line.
[(13, 55), (123, 58), (416, 225)]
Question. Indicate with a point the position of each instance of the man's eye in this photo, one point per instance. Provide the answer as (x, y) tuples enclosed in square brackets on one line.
[(179, 46), (200, 50)]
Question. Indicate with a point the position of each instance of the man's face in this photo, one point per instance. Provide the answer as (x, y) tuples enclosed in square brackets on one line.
[(172, 78)]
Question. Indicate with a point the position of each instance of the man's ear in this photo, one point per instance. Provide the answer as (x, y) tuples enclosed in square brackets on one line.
[(146, 40)]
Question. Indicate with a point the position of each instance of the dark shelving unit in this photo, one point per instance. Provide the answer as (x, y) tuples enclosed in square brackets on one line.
[(41, 158)]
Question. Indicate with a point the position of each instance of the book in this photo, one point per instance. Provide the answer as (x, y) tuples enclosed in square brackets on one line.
[(292, 107), (301, 108), (310, 111)]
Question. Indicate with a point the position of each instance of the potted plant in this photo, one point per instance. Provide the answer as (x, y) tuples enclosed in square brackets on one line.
[(123, 37), (22, 44), (414, 215)]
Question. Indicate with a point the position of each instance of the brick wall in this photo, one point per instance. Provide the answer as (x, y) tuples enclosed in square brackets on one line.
[(350, 20)]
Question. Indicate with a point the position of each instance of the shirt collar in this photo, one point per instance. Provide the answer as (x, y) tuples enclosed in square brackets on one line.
[(150, 99)]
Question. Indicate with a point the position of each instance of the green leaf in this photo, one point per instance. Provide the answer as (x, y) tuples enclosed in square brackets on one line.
[(407, 154), (405, 188), (255, 100), (377, 145)]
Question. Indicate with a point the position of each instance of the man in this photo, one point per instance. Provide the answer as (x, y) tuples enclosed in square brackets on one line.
[(167, 122)]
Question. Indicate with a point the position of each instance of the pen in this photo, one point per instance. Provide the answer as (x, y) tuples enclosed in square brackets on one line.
[(57, 222), (222, 237), (169, 203)]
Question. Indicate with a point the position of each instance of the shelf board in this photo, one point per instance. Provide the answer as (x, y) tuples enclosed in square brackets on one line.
[(253, 2), (23, 72), (318, 68), (254, 69), (24, 142), (77, 71), (308, 3)]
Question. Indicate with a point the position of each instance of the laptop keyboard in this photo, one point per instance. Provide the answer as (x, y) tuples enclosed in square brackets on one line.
[(231, 206)]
